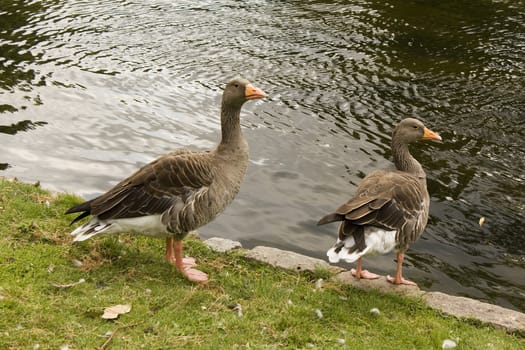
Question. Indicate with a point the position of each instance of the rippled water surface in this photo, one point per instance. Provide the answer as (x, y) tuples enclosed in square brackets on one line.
[(91, 90)]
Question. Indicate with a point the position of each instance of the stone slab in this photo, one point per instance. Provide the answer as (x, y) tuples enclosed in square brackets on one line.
[(289, 260), (222, 245), (381, 284), (465, 307)]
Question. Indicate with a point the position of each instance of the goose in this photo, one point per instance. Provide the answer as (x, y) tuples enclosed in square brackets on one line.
[(179, 192), (389, 209)]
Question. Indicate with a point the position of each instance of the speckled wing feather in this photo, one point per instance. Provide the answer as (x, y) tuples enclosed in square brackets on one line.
[(154, 188)]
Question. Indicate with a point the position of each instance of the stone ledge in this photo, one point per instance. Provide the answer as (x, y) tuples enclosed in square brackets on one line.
[(380, 284), (498, 316), (222, 245), (289, 260)]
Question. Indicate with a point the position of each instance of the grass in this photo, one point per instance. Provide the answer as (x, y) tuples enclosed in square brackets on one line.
[(280, 309)]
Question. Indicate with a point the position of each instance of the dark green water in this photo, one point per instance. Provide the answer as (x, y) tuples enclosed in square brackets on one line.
[(91, 90)]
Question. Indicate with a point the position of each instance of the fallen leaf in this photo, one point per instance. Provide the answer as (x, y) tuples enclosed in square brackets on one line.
[(112, 312), (481, 221), (67, 285)]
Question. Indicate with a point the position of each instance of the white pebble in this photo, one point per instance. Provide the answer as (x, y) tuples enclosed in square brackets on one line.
[(319, 283), (318, 313), (77, 263), (238, 307), (449, 344), (341, 341), (375, 311)]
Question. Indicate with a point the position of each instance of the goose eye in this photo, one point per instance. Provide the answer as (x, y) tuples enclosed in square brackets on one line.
[(236, 85)]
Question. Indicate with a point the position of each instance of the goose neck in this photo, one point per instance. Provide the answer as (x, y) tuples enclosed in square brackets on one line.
[(404, 161), (230, 125)]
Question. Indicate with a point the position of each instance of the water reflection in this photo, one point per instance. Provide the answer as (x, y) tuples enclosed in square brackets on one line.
[(16, 44), (115, 84)]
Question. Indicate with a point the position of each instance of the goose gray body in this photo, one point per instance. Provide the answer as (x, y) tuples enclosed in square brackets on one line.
[(389, 209), (169, 202), (179, 192)]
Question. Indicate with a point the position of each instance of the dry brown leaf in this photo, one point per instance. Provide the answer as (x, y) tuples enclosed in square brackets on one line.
[(112, 312)]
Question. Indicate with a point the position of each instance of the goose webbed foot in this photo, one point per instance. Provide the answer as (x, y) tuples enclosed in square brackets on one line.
[(364, 274), (195, 275), (399, 273), (184, 265), (400, 280), (358, 272)]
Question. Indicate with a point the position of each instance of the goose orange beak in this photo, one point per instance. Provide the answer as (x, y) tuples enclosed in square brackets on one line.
[(253, 93), (430, 135)]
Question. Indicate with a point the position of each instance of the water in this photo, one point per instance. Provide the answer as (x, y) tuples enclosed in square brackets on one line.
[(92, 90)]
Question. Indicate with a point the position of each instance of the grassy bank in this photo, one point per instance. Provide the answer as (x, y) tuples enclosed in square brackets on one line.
[(53, 293)]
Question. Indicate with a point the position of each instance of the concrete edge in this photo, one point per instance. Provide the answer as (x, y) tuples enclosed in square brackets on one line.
[(461, 307)]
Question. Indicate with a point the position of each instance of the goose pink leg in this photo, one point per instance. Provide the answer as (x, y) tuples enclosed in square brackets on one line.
[(399, 277), (358, 272), (184, 265), (170, 255)]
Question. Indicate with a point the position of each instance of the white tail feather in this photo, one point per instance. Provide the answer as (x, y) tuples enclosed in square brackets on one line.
[(89, 229), (378, 241), (345, 255)]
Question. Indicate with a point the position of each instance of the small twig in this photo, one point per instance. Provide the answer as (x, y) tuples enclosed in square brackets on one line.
[(103, 346)]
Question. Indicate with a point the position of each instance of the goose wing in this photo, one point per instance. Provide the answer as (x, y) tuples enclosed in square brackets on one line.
[(154, 188), (391, 200)]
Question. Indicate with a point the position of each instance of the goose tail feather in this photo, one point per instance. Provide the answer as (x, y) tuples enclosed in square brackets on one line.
[(345, 250), (89, 229), (330, 218)]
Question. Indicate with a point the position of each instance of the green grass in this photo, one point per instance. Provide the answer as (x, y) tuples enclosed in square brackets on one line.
[(168, 312)]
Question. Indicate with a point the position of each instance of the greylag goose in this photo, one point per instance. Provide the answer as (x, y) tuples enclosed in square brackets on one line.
[(389, 209), (180, 191)]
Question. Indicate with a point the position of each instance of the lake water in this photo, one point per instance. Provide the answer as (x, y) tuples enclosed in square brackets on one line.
[(91, 90)]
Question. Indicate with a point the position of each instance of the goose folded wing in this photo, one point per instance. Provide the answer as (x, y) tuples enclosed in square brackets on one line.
[(392, 201), (156, 187)]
